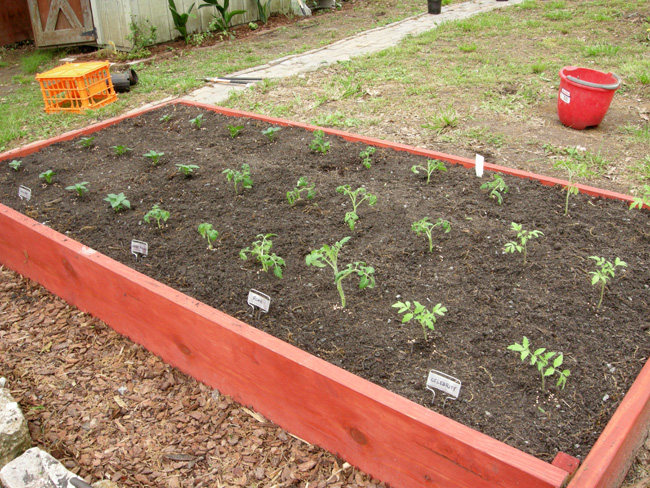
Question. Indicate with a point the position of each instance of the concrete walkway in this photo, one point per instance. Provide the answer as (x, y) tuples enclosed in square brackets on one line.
[(363, 43)]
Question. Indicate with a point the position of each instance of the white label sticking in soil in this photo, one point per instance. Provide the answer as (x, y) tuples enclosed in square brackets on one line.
[(565, 95), (438, 380), (479, 165), (259, 300), (139, 248), (24, 193)]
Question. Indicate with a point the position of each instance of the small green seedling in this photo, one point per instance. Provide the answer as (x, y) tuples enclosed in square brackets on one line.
[(121, 150), (118, 202), (234, 130), (497, 187), (86, 142), (327, 255), (426, 227), (575, 170), (541, 358), (639, 202), (303, 184), (524, 236), (419, 312), (604, 273), (158, 214), (271, 132), (197, 121), (261, 250), (154, 156), (80, 188), (166, 118), (243, 176), (366, 156), (318, 143), (357, 197), (47, 176), (15, 165), (209, 233), (432, 165), (187, 169)]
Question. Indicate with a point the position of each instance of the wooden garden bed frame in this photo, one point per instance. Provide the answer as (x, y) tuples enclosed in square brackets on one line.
[(389, 437)]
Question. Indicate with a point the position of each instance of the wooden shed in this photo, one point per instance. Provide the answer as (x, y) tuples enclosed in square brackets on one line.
[(106, 22)]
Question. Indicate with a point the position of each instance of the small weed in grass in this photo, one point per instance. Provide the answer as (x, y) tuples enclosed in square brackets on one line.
[(445, 118), (538, 67), (641, 169), (468, 47), (601, 50), (638, 133)]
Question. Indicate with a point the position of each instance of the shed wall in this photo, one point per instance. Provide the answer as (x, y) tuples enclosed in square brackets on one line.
[(113, 17), (15, 24)]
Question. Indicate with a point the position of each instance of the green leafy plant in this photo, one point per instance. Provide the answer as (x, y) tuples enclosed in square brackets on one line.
[(327, 255), (253, 25), (426, 227), (121, 150), (523, 237), (15, 165), (140, 39), (154, 156), (261, 250), (271, 132), (446, 118), (197, 121), (639, 202), (318, 143), (366, 156), (432, 165), (80, 188), (542, 360), (87, 142), (243, 176), (357, 197), (187, 169), (234, 130), (118, 202), (576, 169), (206, 230), (419, 312), (264, 9), (604, 273), (222, 23), (180, 19), (158, 214), (166, 118), (303, 185), (47, 176), (497, 187)]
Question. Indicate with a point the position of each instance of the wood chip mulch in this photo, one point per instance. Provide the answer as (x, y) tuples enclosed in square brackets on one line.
[(108, 409)]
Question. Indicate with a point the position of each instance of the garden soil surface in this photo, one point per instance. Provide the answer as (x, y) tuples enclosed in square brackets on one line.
[(493, 299)]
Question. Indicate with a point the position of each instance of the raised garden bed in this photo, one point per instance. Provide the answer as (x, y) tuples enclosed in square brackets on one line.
[(493, 300)]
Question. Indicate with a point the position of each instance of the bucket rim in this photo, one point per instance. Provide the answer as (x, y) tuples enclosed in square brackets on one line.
[(590, 84)]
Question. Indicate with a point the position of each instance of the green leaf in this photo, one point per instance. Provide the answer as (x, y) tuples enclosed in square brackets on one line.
[(407, 318)]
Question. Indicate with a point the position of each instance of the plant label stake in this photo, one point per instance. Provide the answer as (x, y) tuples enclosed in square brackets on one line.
[(139, 248), (479, 165), (449, 385), (259, 302), (24, 193)]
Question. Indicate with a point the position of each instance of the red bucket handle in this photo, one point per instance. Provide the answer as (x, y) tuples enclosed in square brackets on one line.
[(613, 86)]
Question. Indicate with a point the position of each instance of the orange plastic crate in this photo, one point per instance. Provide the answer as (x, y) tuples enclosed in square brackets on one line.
[(75, 87)]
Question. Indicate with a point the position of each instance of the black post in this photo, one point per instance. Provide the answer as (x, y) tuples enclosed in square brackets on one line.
[(435, 6)]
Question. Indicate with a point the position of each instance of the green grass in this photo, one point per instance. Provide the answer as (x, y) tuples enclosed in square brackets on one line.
[(601, 50), (36, 61), (638, 133)]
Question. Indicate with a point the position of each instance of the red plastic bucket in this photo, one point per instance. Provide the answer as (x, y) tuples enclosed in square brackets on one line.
[(584, 96)]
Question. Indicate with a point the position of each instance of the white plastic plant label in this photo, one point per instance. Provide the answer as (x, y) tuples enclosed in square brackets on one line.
[(565, 95), (257, 299), (24, 193), (139, 248), (479, 165), (449, 385)]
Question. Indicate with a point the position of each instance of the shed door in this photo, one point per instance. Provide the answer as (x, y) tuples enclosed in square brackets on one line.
[(61, 22)]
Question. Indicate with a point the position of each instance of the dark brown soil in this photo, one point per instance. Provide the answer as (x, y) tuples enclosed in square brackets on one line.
[(492, 298)]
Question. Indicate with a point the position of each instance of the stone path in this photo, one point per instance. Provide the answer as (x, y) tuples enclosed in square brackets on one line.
[(363, 43)]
